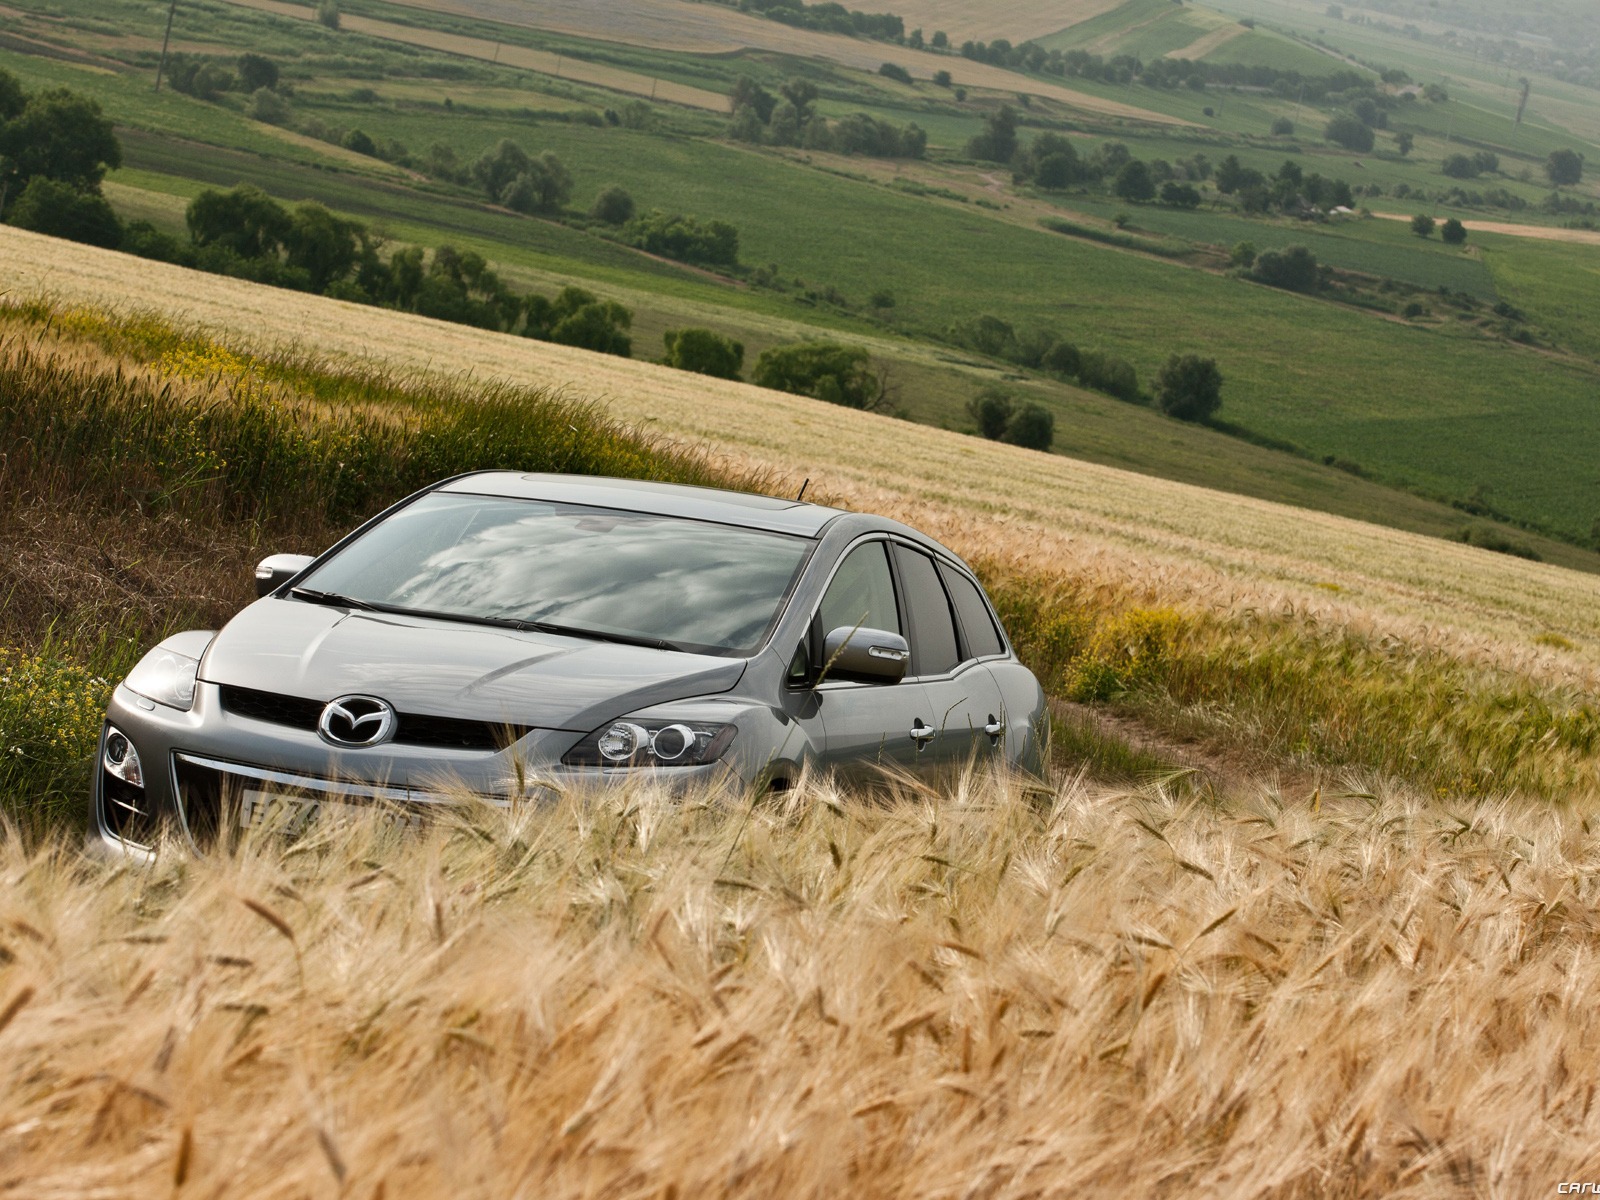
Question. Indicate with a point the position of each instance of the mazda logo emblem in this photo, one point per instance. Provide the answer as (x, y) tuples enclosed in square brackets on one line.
[(356, 721)]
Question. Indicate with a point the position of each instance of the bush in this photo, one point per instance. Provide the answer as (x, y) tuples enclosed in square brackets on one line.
[(1189, 387), (1351, 132), (704, 352), (46, 206), (823, 370), (1109, 374), (1283, 127), (675, 235), (1294, 268), (1133, 182), (1243, 255), (990, 411), (360, 142), (1454, 232), (266, 106), (1564, 167), (328, 13), (1180, 195), (613, 206), (1422, 225), (579, 318), (1031, 426), (892, 71)]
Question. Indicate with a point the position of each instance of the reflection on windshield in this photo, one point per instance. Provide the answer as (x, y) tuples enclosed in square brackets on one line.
[(700, 586)]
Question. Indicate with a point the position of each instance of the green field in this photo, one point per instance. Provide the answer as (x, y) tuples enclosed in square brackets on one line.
[(1437, 406)]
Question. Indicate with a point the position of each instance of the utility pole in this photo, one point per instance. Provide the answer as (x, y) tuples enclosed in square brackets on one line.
[(166, 40)]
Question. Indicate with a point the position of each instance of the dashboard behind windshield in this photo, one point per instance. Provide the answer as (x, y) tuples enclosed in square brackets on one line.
[(700, 586)]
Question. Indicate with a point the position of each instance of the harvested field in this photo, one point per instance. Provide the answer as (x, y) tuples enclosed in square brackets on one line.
[(1180, 543), (1015, 20), (1206, 43), (1542, 233), (713, 29), (597, 74)]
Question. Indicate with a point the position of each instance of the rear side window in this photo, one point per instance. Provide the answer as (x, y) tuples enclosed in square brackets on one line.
[(977, 626), (933, 627)]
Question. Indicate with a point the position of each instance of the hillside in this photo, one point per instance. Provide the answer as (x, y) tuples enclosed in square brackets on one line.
[(1183, 543)]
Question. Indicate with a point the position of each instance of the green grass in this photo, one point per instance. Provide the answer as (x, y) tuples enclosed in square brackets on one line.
[(1383, 248), (1554, 283)]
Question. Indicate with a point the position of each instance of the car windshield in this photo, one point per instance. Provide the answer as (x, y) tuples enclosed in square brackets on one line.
[(686, 585)]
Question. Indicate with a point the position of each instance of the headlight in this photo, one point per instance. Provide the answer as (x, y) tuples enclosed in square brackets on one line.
[(636, 743), (166, 677)]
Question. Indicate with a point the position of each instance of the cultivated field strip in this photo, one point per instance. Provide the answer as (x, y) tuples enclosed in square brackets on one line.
[(598, 74), (716, 29), (1174, 542), (989, 994), (1015, 20)]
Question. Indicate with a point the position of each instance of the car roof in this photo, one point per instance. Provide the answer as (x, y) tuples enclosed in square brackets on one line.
[(666, 499)]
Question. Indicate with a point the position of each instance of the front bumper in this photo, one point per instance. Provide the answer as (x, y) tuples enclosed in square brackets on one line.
[(204, 769)]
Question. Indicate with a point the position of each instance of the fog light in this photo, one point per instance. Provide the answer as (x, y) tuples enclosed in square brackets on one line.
[(121, 759)]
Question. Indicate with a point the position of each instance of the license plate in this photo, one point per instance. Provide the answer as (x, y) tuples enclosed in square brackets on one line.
[(291, 812)]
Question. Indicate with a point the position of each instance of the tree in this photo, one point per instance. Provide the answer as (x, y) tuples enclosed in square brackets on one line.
[(704, 352), (600, 325), (613, 206), (1403, 143), (267, 106), (941, 79), (1422, 225), (895, 72), (685, 238), (1283, 127), (1180, 195), (1189, 387), (748, 94), (1243, 255), (61, 136), (256, 71), (12, 98), (328, 13), (998, 141), (1133, 182), (245, 220), (1565, 167), (1294, 268), (990, 411), (543, 186), (801, 93), (59, 210), (498, 166), (360, 142), (322, 245), (1454, 232), (824, 370), (1031, 426), (1351, 132)]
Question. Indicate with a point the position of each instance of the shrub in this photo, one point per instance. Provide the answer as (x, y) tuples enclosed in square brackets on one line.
[(1294, 268), (1189, 387), (613, 206), (328, 13), (893, 71), (579, 318), (1109, 374), (1283, 127), (991, 411), (1180, 195), (704, 352), (46, 206), (1564, 167), (1351, 132), (1454, 232), (266, 106), (360, 142), (1031, 426), (1243, 255), (823, 370), (1422, 225), (685, 238)]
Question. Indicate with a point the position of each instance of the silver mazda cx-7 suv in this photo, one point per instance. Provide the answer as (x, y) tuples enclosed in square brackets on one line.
[(515, 635)]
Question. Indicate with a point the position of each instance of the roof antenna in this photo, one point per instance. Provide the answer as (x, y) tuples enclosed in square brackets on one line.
[(803, 488)]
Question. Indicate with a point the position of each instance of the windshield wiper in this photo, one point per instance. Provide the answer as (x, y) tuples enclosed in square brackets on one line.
[(597, 635), (333, 599)]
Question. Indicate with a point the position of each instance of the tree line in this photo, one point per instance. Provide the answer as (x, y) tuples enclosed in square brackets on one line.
[(790, 118)]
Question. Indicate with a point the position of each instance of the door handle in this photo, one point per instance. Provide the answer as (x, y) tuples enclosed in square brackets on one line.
[(923, 734), (995, 727)]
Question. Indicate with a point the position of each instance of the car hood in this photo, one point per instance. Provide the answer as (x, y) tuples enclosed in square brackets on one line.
[(443, 668)]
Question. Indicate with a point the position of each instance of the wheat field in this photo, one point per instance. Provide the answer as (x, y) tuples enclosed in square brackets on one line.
[(990, 993)]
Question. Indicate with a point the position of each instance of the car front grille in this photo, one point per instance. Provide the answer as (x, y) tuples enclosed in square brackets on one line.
[(411, 729)]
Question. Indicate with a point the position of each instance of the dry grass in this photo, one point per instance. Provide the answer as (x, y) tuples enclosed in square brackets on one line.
[(993, 994), (1015, 20)]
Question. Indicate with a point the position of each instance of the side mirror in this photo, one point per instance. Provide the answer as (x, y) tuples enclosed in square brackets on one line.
[(278, 569), (865, 655)]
